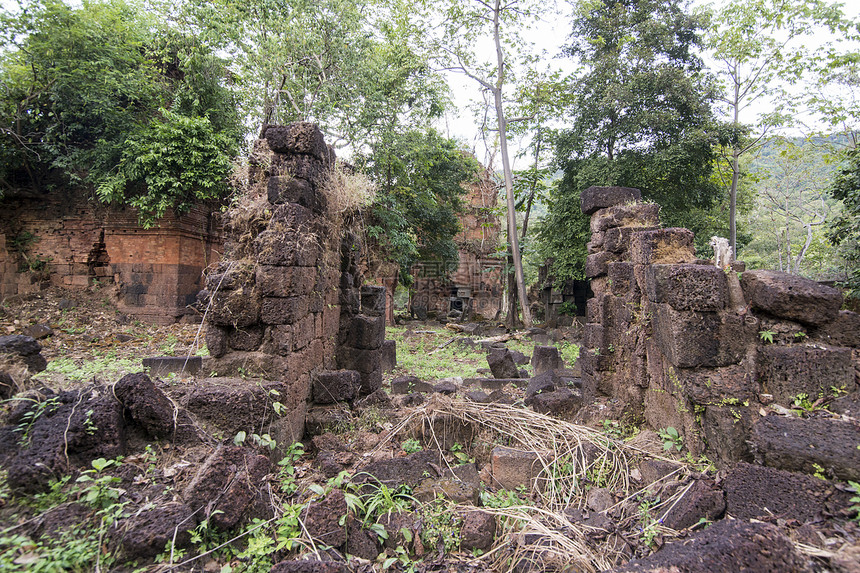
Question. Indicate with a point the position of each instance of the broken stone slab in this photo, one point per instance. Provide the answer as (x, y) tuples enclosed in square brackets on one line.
[(164, 365), (323, 519), (330, 386), (38, 331), (687, 287), (595, 197), (703, 500), (617, 239), (791, 296), (409, 470), (234, 404), (727, 546), (801, 444), (759, 492), (297, 138), (512, 468), (499, 383), (72, 429), (545, 358), (446, 387), (786, 371), (373, 300), (145, 534), (478, 396), (563, 401), (544, 382), (409, 384), (23, 349), (627, 215), (502, 364), (596, 263), (147, 404), (388, 356), (450, 488), (844, 330), (478, 530), (227, 485), (663, 246)]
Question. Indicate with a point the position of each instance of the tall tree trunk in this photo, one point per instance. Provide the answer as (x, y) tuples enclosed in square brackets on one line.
[(513, 240)]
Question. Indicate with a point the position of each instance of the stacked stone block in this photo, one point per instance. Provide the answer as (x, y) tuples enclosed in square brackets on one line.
[(287, 294), (665, 335)]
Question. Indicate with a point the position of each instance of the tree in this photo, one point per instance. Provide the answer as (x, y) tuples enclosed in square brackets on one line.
[(844, 230), (640, 117), (793, 203), (419, 190), (87, 92), (466, 23), (759, 45)]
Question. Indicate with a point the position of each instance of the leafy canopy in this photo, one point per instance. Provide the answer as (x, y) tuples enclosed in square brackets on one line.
[(99, 96), (640, 117)]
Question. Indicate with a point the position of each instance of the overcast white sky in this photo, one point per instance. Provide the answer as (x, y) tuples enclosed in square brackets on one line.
[(550, 34)]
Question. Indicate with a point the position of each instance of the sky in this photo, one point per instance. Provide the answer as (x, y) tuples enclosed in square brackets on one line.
[(550, 34)]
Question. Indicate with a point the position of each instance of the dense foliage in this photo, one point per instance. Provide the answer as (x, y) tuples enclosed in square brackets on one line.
[(419, 193), (845, 229), (99, 96), (640, 117)]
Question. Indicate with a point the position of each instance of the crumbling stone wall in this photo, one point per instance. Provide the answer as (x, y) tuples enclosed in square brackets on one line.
[(687, 344), (65, 240), (474, 282), (286, 303)]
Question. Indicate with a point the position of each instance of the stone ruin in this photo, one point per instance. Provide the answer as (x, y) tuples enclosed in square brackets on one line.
[(286, 303), (684, 343)]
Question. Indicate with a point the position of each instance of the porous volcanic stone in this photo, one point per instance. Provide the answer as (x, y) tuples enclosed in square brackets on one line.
[(558, 402), (336, 386), (25, 349), (595, 264), (687, 287), (71, 429), (702, 501), (727, 546), (301, 137), (226, 485), (633, 215), (786, 371), (791, 296), (757, 492), (663, 246), (373, 300), (322, 519), (501, 363), (545, 358), (799, 444), (388, 356), (145, 534), (366, 332), (287, 189), (844, 330), (408, 470), (478, 530), (147, 404), (594, 197), (544, 382)]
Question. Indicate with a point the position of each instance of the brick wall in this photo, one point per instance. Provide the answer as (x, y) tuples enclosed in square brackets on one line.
[(157, 272)]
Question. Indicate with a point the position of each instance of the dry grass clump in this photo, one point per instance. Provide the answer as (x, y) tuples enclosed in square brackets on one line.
[(573, 459), (347, 191)]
